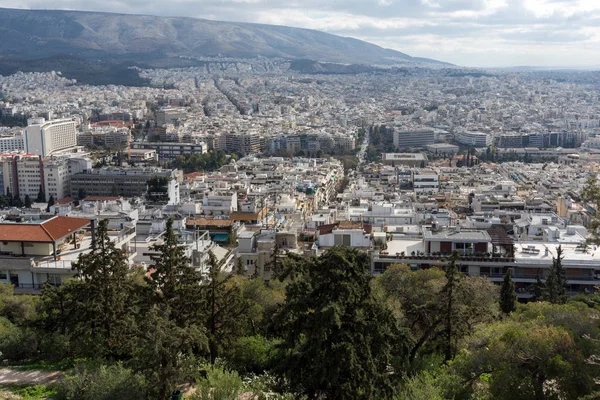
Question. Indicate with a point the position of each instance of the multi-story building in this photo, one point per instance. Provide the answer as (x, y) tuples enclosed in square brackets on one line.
[(425, 181), (12, 143), (219, 203), (47, 137), (35, 252), (126, 182), (416, 138), (474, 139), (169, 151), (24, 175), (491, 253), (256, 250), (243, 143), (169, 114), (408, 159)]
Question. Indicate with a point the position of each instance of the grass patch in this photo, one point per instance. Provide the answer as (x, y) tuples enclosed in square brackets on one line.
[(31, 392)]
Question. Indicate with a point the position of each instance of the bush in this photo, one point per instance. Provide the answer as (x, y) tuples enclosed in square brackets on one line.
[(253, 354), (54, 347), (90, 381), (219, 384), (16, 344), (17, 309)]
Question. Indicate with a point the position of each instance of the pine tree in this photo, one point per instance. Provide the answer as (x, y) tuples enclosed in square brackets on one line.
[(339, 339), (448, 293), (172, 329), (104, 296), (508, 296), (556, 285), (174, 281), (224, 307), (27, 201)]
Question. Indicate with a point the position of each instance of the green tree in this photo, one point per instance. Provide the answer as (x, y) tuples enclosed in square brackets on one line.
[(508, 295), (450, 309), (41, 196), (420, 304), (591, 195), (339, 340), (171, 329), (556, 289), (103, 321), (27, 201), (539, 352), (224, 307), (50, 203)]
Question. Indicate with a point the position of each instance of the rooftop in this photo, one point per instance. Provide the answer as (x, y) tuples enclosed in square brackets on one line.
[(47, 231), (458, 235)]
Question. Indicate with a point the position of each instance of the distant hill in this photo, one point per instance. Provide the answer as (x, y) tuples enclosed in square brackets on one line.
[(38, 34)]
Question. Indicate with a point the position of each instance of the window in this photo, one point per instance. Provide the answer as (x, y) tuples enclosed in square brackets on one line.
[(3, 275)]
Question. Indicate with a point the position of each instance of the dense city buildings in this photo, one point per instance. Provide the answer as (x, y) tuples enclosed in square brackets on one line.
[(255, 159)]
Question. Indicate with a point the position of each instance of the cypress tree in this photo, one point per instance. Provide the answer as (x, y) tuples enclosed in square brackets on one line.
[(556, 285), (454, 278), (508, 296)]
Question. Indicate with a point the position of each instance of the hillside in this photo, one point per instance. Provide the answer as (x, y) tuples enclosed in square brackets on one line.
[(93, 35)]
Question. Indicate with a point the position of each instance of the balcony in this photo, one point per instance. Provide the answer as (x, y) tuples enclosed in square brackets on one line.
[(31, 288)]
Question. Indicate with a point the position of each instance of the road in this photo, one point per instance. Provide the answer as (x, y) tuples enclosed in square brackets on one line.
[(363, 148), (11, 376)]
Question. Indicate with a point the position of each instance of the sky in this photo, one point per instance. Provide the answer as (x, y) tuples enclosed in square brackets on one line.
[(477, 33)]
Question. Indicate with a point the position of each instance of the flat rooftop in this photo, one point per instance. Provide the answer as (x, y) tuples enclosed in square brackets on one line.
[(453, 235)]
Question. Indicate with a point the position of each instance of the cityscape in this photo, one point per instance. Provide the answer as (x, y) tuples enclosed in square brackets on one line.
[(415, 231)]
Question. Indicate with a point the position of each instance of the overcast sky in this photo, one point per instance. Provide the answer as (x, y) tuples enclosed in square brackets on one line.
[(465, 32)]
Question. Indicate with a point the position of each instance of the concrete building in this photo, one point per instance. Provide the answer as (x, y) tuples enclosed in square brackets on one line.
[(169, 114), (413, 138), (474, 139), (408, 159), (169, 151), (11, 143), (243, 143), (425, 181), (47, 137), (126, 182), (442, 148)]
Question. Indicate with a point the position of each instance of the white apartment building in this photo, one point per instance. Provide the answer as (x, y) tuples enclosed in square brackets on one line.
[(425, 181), (24, 175), (46, 137), (11, 143), (416, 138), (56, 179), (475, 139)]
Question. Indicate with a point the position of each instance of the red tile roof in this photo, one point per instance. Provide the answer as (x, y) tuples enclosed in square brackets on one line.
[(46, 232), (66, 200)]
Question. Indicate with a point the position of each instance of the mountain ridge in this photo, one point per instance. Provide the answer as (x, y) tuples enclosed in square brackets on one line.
[(88, 34)]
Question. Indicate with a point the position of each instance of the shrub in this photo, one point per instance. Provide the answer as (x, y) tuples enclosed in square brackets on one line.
[(219, 384), (54, 347), (16, 344), (253, 354), (90, 381)]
